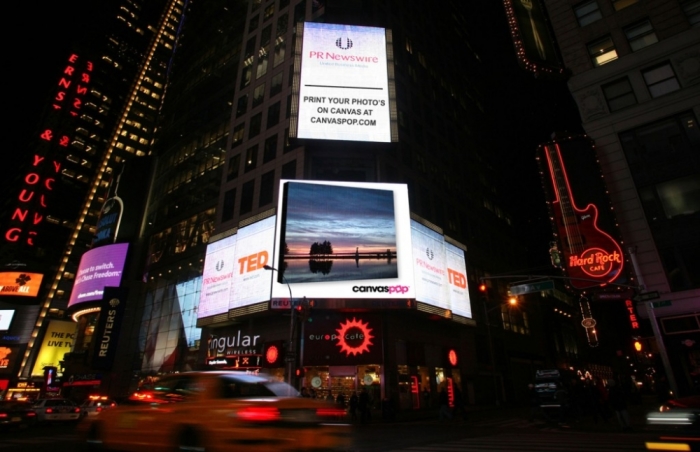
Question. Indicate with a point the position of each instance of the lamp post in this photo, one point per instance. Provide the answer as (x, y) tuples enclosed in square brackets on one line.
[(291, 348), (512, 301)]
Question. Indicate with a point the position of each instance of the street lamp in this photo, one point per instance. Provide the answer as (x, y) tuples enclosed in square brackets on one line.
[(512, 301), (291, 348)]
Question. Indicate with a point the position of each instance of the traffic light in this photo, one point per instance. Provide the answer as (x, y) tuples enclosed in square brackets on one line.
[(303, 308), (300, 372), (638, 345)]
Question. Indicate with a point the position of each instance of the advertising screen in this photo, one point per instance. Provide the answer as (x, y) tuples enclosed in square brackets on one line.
[(343, 240), (6, 318), (343, 84), (254, 249), (58, 341), (100, 267), (440, 271), (219, 266), (20, 284)]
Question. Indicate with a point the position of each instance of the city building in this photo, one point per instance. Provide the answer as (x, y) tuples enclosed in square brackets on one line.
[(634, 72)]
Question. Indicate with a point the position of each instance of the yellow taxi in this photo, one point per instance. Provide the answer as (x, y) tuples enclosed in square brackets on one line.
[(218, 411)]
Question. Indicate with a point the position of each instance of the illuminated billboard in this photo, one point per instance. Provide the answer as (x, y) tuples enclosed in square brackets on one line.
[(343, 240), (254, 250), (219, 264), (343, 89), (440, 271), (20, 284), (100, 267), (6, 318), (58, 340)]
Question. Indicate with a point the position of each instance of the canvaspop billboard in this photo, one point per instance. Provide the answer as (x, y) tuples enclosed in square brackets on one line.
[(343, 240), (99, 268), (343, 88)]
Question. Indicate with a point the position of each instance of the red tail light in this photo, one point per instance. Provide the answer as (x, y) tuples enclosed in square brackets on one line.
[(76, 410), (259, 414), (330, 412), (99, 408), (31, 413), (3, 415), (49, 410)]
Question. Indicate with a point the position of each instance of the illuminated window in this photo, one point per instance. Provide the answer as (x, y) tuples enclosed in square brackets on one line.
[(280, 49), (237, 136), (263, 59), (587, 12), (602, 51), (641, 35), (622, 4), (691, 8), (661, 80), (258, 95), (251, 158), (409, 46), (619, 94)]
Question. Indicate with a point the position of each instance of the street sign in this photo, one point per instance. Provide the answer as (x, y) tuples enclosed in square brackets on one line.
[(540, 286), (646, 296), (661, 304), (613, 296)]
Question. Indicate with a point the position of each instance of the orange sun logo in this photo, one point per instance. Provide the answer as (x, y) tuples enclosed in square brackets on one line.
[(362, 334)]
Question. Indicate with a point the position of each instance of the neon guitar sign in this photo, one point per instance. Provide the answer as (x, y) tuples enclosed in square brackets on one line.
[(589, 252)]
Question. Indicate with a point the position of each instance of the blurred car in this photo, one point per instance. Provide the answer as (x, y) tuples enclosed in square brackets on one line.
[(218, 411), (683, 412), (14, 413), (56, 410), (95, 405)]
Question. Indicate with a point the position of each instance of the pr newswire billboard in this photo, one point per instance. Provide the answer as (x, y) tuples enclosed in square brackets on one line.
[(99, 268), (342, 85)]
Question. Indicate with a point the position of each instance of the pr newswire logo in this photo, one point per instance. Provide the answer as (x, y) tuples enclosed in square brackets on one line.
[(339, 43), (380, 289)]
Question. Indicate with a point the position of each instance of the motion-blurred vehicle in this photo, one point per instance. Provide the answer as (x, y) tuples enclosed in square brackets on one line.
[(16, 414), (218, 411), (681, 417), (96, 404), (56, 410)]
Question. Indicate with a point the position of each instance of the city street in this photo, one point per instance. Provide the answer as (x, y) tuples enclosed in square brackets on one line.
[(502, 429)]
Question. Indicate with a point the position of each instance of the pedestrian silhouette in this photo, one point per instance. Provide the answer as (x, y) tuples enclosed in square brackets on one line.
[(353, 404), (444, 400)]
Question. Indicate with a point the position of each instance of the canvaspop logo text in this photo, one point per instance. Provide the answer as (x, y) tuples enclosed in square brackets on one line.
[(381, 289)]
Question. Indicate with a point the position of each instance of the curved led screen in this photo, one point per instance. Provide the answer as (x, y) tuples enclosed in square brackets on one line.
[(99, 268)]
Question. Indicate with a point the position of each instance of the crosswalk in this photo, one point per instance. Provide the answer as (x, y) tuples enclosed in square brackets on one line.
[(537, 441)]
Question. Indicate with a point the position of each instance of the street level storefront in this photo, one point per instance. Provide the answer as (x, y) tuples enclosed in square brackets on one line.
[(399, 357)]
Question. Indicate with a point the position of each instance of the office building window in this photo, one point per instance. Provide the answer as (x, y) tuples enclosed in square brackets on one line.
[(267, 186), (619, 94), (242, 105), (587, 12), (289, 170), (255, 124), (247, 192), (622, 4), (691, 8), (602, 51), (265, 36), (269, 11), (258, 95), (641, 35), (282, 24), (280, 49), (254, 22), (246, 75), (273, 115), (661, 80), (233, 165), (276, 85), (263, 58), (270, 150), (237, 136), (229, 205), (284, 3), (251, 158), (249, 48)]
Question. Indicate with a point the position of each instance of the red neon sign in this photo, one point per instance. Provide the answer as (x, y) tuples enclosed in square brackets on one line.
[(452, 357), (632, 314), (359, 335)]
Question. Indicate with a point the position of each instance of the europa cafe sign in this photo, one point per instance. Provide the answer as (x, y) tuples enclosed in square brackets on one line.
[(39, 182), (342, 339)]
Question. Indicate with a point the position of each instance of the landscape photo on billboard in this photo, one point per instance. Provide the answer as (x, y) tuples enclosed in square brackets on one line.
[(337, 233)]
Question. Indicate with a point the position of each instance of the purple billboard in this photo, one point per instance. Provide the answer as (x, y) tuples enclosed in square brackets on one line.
[(99, 268)]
